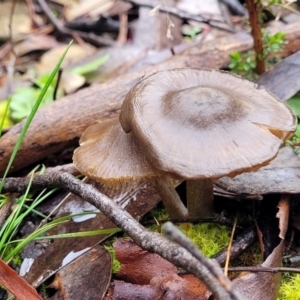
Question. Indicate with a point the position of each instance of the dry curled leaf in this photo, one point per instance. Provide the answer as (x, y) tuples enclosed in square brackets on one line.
[(15, 284), (146, 275)]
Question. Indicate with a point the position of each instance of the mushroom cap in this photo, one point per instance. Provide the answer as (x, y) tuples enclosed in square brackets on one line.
[(199, 124), (110, 156)]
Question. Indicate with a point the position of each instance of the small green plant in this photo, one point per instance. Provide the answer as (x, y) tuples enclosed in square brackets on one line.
[(191, 32), (24, 98), (25, 103), (4, 116), (31, 115), (12, 223), (294, 104), (244, 63)]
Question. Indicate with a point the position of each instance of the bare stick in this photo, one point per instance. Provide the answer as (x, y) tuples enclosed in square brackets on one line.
[(229, 247), (175, 235), (254, 11), (151, 241), (240, 245), (258, 269)]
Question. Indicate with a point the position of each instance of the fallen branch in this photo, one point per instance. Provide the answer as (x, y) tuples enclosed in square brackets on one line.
[(240, 245), (150, 241), (258, 269)]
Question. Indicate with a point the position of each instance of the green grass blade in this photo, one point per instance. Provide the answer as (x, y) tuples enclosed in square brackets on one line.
[(4, 117), (31, 116), (80, 234)]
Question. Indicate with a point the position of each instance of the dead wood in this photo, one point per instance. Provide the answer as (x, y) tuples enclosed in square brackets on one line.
[(241, 244), (61, 123)]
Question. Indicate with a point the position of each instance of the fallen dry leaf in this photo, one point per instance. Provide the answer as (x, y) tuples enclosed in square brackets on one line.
[(140, 266), (15, 284), (87, 277), (35, 42), (76, 53), (146, 275), (262, 285)]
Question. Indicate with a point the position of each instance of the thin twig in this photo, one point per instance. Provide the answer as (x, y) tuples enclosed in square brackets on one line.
[(32, 13), (240, 245), (230, 246), (263, 269), (13, 7), (123, 31), (254, 9), (150, 241), (89, 37)]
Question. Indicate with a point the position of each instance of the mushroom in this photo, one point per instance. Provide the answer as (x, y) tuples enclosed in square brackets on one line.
[(186, 124), (114, 158)]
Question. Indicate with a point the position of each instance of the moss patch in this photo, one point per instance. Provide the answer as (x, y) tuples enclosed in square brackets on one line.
[(290, 287)]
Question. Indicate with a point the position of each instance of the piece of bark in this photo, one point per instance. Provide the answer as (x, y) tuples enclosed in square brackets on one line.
[(280, 176), (87, 277), (284, 80), (61, 123)]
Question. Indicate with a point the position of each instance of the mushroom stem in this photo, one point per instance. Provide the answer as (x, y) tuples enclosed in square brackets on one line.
[(171, 200), (199, 198)]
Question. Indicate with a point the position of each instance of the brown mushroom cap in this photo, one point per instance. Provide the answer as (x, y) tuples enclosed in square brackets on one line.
[(205, 123), (109, 155)]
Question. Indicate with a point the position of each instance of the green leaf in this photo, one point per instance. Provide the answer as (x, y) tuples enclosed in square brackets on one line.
[(31, 116), (91, 66), (294, 104), (236, 55), (297, 132), (24, 99), (5, 121)]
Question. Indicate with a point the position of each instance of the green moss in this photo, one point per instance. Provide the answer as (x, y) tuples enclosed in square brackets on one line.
[(16, 259), (210, 238), (115, 263), (251, 257), (290, 287)]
